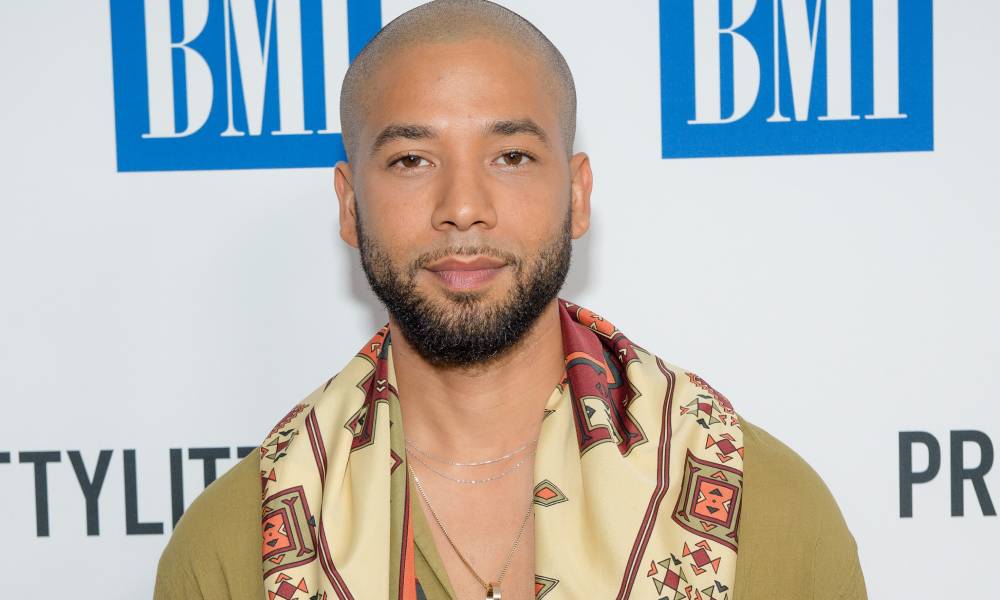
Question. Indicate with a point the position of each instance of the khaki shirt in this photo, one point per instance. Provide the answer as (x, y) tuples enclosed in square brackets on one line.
[(793, 541)]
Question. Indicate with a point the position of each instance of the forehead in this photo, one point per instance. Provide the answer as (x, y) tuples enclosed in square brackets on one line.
[(459, 85)]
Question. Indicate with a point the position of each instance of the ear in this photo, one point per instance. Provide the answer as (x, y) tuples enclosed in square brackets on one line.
[(581, 184), (344, 185)]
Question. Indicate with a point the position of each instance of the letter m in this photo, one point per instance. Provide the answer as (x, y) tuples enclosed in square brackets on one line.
[(802, 32)]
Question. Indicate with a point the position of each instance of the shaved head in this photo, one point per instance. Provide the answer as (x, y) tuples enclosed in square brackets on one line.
[(447, 21)]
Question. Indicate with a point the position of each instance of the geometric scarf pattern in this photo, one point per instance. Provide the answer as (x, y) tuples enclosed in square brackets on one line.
[(638, 471)]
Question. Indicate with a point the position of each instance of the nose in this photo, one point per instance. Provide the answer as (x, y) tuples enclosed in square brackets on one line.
[(465, 199)]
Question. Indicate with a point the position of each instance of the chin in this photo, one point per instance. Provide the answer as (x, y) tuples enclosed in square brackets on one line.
[(495, 293)]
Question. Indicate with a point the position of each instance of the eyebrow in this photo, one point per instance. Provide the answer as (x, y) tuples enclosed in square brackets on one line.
[(517, 126), (411, 131), (397, 131)]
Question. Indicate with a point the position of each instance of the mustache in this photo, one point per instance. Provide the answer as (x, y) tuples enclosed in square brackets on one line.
[(426, 258)]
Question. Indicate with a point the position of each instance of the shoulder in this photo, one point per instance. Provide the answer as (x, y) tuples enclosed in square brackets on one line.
[(772, 469), (214, 551), (793, 539), (792, 535)]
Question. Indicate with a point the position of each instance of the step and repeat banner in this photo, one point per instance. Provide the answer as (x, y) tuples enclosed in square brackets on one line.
[(173, 282)]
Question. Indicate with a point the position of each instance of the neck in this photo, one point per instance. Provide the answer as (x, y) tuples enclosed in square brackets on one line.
[(470, 413)]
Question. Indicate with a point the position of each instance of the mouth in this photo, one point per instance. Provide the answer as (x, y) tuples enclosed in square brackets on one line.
[(466, 273)]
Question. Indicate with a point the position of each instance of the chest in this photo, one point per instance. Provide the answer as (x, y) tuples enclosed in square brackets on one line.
[(482, 534)]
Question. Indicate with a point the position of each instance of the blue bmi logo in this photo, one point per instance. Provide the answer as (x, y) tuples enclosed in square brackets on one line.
[(233, 84), (767, 77)]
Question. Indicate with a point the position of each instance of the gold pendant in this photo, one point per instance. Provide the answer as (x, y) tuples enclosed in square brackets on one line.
[(493, 591)]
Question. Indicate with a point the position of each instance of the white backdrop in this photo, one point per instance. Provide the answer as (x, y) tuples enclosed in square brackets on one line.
[(841, 298)]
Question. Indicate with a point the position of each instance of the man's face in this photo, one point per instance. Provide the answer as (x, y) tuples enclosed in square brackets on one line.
[(461, 197)]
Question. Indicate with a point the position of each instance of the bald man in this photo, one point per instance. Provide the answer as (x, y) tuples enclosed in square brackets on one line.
[(494, 440)]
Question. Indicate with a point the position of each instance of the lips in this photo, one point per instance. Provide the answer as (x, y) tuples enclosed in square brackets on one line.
[(477, 263), (466, 273)]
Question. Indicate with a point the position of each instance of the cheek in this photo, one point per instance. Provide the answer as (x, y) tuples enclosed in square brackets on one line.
[(396, 213), (535, 210), (396, 197)]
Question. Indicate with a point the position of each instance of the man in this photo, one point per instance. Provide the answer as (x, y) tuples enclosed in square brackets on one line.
[(492, 439)]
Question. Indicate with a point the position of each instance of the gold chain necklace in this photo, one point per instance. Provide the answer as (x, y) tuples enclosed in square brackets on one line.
[(499, 475), (492, 588)]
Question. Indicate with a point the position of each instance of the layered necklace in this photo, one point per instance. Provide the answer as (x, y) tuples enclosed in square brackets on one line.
[(492, 588)]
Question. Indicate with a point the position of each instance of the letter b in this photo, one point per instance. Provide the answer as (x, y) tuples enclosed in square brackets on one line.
[(160, 70), (708, 64)]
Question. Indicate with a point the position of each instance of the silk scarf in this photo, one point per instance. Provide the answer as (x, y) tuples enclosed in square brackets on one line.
[(638, 475)]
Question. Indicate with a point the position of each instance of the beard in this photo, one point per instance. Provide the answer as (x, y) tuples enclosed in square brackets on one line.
[(467, 330)]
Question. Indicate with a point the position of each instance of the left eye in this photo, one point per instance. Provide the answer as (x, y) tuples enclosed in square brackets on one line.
[(514, 158), (410, 161)]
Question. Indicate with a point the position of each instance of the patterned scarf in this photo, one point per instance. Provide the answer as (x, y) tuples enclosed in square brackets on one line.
[(638, 477)]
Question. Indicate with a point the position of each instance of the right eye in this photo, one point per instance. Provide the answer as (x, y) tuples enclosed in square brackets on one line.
[(409, 161)]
